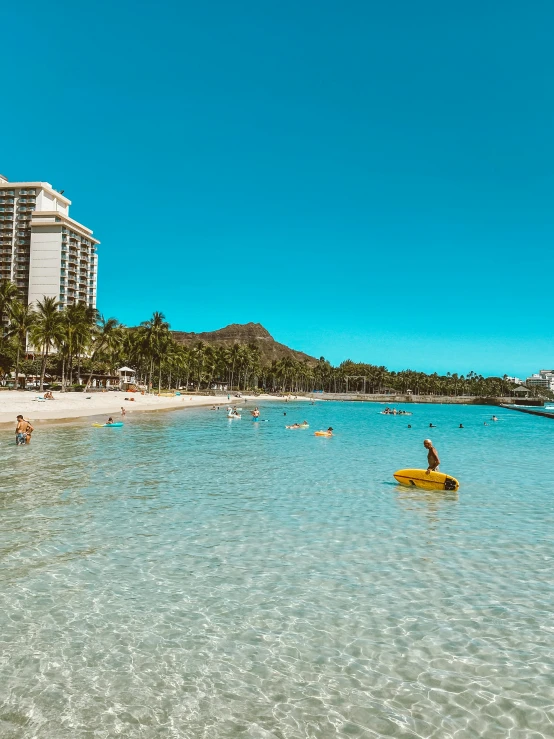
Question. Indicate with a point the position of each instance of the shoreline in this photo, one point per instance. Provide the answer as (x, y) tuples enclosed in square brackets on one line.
[(75, 407), (410, 398)]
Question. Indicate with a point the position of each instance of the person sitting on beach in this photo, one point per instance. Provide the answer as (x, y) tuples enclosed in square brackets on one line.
[(23, 431), (432, 457), (48, 395)]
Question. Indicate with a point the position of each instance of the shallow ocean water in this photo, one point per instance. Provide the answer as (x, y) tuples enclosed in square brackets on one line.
[(190, 576)]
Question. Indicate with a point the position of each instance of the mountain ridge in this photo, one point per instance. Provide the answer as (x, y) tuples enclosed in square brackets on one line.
[(245, 333)]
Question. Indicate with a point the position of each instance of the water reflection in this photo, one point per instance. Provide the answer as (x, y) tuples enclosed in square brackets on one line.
[(431, 504)]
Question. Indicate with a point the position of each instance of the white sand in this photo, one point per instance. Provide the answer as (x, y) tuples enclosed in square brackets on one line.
[(79, 405)]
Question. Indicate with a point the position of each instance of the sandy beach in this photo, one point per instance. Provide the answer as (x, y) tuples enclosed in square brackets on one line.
[(82, 405)]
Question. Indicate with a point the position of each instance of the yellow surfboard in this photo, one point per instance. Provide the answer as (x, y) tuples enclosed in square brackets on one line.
[(426, 480)]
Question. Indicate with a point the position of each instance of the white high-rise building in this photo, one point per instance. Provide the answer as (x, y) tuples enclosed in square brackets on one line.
[(544, 378), (42, 250)]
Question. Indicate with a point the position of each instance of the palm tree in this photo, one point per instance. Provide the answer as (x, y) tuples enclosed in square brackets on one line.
[(183, 362), (108, 339), (8, 295), (46, 330), (232, 357), (155, 333), (22, 318), (78, 323), (199, 356), (81, 320)]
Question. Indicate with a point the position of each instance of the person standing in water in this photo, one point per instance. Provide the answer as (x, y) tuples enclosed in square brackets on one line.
[(432, 456), (23, 431)]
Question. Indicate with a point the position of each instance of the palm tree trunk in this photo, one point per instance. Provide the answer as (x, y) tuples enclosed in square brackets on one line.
[(17, 368), (79, 366), (160, 379), (150, 374), (63, 373), (93, 357), (43, 369)]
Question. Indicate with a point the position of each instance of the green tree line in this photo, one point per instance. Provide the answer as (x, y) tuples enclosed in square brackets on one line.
[(72, 344)]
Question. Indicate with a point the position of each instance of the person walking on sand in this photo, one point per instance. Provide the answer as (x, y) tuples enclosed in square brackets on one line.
[(23, 431), (432, 456), (123, 411)]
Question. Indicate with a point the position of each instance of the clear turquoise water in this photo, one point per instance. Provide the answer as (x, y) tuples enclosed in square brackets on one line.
[(189, 576)]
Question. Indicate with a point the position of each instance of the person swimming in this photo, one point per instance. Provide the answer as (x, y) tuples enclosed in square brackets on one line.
[(109, 421), (460, 426)]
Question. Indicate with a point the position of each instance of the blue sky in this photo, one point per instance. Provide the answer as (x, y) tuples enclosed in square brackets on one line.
[(368, 180)]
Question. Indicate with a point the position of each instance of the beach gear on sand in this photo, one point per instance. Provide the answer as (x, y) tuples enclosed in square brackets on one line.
[(426, 480)]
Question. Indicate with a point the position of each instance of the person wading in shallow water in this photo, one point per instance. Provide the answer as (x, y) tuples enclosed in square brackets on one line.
[(23, 431), (432, 456)]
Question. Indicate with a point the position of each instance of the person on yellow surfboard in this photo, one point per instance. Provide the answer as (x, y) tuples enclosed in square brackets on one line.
[(432, 457)]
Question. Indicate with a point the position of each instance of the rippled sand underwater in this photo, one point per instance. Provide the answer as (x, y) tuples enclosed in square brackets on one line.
[(189, 576)]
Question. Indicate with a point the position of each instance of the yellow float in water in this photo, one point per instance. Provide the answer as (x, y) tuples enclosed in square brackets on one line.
[(426, 480)]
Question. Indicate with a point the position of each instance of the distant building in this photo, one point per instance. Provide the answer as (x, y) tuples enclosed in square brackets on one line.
[(515, 380), (42, 250), (544, 379)]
